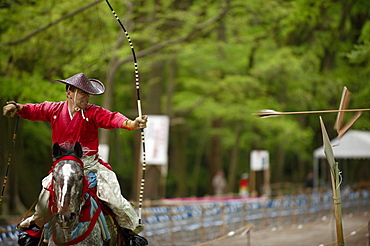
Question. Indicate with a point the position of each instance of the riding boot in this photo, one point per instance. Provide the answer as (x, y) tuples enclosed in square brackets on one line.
[(134, 239)]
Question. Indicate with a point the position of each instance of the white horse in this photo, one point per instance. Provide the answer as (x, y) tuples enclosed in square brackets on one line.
[(67, 199)]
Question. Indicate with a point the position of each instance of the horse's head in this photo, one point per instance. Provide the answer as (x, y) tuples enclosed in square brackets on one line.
[(68, 183)]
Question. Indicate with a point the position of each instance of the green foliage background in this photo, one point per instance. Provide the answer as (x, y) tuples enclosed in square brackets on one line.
[(207, 64)]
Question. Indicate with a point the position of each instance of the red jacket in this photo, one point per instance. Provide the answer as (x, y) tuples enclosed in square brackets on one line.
[(78, 129)]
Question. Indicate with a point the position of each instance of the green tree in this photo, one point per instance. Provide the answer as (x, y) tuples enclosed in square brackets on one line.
[(208, 65)]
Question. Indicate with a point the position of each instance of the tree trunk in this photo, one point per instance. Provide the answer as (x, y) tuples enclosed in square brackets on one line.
[(279, 164), (178, 161), (171, 85), (202, 144), (153, 102), (215, 155), (234, 161)]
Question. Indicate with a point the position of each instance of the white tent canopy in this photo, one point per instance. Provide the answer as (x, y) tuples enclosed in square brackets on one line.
[(354, 144)]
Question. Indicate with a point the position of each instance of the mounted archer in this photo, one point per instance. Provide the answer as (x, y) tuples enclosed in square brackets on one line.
[(75, 120)]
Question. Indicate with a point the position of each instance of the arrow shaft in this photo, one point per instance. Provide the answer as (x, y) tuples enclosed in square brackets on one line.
[(310, 112)]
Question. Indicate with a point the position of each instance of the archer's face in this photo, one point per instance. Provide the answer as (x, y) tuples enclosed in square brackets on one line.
[(80, 98)]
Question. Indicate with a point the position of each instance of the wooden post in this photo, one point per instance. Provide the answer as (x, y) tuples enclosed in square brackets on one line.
[(253, 183), (223, 227), (203, 226), (266, 185), (294, 209), (280, 197), (368, 232), (265, 213), (245, 221), (308, 209), (172, 213)]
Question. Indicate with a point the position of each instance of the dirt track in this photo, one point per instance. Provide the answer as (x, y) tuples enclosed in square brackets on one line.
[(319, 233)]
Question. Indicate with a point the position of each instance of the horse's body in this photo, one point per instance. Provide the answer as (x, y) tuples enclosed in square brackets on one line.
[(68, 187)]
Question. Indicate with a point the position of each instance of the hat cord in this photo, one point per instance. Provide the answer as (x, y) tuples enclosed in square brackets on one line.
[(77, 108)]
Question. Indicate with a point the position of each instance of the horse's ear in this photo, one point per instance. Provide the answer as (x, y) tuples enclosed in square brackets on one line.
[(56, 150), (78, 150)]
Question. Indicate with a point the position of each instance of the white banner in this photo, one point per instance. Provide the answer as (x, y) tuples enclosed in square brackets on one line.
[(156, 140), (259, 160)]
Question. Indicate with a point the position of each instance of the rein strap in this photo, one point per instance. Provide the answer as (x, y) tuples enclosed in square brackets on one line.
[(85, 234), (69, 157)]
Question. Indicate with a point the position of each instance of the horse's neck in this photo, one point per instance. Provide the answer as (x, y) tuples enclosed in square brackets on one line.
[(64, 235)]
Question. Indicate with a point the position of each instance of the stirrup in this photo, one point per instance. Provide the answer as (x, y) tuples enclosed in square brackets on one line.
[(29, 236), (137, 240)]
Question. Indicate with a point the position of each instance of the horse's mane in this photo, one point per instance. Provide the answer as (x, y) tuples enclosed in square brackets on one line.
[(69, 150), (67, 153)]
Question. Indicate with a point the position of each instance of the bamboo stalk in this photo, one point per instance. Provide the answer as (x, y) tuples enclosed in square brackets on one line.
[(337, 204), (334, 173)]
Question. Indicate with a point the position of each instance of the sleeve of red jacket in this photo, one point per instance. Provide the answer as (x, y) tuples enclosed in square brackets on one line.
[(37, 112), (107, 119)]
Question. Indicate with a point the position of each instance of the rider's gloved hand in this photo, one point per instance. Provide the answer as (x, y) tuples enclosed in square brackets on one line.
[(10, 109)]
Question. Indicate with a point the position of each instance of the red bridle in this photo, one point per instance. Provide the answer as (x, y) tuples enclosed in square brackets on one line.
[(69, 157), (52, 203)]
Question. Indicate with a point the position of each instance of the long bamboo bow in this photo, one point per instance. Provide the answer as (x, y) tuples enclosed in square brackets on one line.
[(137, 83)]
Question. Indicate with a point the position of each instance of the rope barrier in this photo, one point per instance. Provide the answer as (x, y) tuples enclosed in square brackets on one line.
[(230, 234), (248, 228), (348, 236)]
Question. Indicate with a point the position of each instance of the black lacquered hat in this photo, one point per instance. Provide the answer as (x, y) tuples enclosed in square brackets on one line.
[(80, 81)]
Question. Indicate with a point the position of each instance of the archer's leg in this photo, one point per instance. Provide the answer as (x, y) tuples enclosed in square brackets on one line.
[(41, 214), (109, 191)]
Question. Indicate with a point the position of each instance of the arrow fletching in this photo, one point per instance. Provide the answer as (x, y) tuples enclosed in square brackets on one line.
[(342, 106), (265, 113)]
